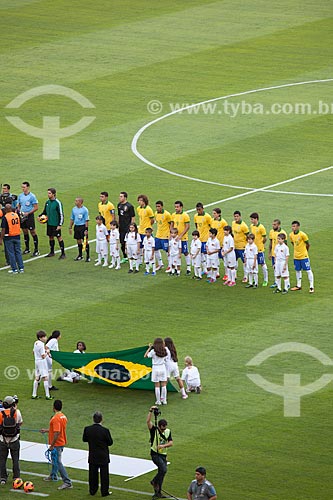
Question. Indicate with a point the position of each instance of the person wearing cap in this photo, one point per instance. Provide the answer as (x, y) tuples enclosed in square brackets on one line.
[(200, 488), (10, 443), (99, 439)]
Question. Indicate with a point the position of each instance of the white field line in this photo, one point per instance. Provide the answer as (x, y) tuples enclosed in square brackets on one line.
[(145, 493), (137, 136)]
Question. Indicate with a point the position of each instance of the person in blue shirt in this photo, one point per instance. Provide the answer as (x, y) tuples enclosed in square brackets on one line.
[(27, 205), (80, 220)]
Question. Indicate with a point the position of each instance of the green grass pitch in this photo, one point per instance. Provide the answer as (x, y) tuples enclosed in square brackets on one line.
[(121, 55)]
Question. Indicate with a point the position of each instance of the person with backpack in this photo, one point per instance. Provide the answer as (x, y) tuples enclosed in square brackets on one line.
[(10, 423)]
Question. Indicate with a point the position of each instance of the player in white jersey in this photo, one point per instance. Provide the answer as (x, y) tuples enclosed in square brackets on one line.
[(52, 345), (212, 248), (281, 264), (114, 245), (149, 252), (41, 368), (174, 252), (251, 261), (195, 253), (229, 256), (102, 240), (133, 242)]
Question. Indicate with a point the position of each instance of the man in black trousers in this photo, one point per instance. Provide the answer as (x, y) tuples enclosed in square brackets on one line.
[(99, 439)]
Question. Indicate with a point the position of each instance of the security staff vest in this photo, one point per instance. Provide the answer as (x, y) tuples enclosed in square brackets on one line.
[(14, 225)]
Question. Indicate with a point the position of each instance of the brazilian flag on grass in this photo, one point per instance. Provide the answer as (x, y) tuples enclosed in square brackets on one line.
[(127, 368)]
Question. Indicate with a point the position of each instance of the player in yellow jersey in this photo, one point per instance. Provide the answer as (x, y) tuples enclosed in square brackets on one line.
[(181, 220), (240, 232), (106, 209), (300, 242), (146, 219), (203, 222), (260, 239), (163, 221), (273, 236), (219, 224)]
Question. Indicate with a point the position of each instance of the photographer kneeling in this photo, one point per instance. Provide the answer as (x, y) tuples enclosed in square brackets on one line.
[(160, 439)]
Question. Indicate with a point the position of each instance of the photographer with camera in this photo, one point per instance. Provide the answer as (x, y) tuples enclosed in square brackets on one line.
[(10, 423), (7, 197), (160, 440)]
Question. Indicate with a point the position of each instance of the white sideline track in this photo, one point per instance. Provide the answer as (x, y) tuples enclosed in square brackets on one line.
[(128, 467)]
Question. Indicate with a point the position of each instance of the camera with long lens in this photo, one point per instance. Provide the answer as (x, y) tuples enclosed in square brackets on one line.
[(156, 411)]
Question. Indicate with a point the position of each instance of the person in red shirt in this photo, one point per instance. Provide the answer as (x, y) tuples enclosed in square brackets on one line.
[(57, 441)]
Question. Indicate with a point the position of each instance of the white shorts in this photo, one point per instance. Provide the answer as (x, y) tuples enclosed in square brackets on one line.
[(213, 261), (148, 257), (49, 362), (172, 369), (102, 247), (41, 368), (196, 262), (278, 269), (159, 374), (114, 250), (132, 251), (174, 260), (248, 267), (230, 259)]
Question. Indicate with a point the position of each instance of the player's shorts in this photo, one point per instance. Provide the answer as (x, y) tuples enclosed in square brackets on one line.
[(174, 260), (249, 265), (203, 247), (79, 232), (159, 374), (196, 261), (172, 369), (213, 261), (278, 270), (230, 259), (239, 254), (148, 254), (132, 251), (184, 247), (28, 223), (102, 247), (53, 232), (161, 244), (302, 264), (114, 250), (41, 368), (261, 258), (49, 362)]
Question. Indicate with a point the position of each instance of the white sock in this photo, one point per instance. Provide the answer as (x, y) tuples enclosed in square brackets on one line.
[(50, 379), (182, 391), (278, 283), (147, 268), (35, 388), (299, 278), (159, 257), (213, 274), (131, 264), (311, 278), (250, 278), (204, 262), (46, 387), (188, 261), (137, 264), (157, 394), (265, 272), (229, 274), (233, 275), (164, 393), (255, 276), (117, 261), (287, 283)]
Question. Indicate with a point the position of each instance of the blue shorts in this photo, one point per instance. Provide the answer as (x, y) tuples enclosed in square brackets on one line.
[(239, 254), (203, 247), (302, 264), (273, 261), (261, 258), (161, 244), (142, 237), (220, 254), (184, 247)]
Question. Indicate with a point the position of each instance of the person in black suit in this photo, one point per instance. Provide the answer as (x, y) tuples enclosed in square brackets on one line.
[(99, 439)]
